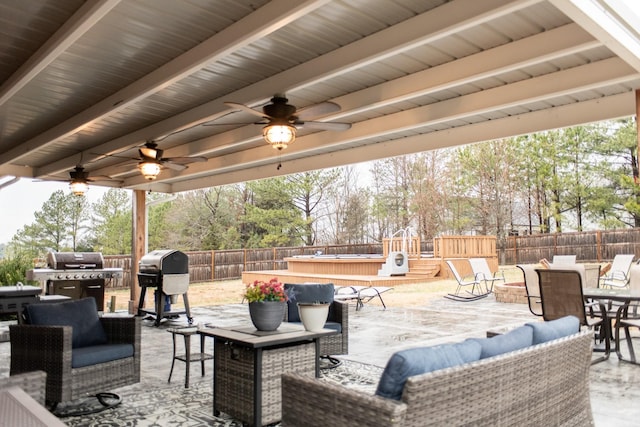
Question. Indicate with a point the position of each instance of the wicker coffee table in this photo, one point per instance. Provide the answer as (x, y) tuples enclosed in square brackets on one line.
[(248, 365)]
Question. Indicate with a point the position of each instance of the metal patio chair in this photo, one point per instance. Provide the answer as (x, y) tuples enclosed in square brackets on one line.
[(561, 295), (618, 275), (483, 273), (459, 294)]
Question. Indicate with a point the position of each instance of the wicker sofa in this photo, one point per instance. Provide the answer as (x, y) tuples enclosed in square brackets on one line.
[(543, 384)]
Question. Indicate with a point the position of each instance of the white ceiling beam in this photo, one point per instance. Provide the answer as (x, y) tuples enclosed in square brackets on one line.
[(82, 21), (610, 21), (269, 18)]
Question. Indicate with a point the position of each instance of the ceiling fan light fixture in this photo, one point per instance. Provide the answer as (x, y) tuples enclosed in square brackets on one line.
[(149, 169), (79, 187), (279, 136)]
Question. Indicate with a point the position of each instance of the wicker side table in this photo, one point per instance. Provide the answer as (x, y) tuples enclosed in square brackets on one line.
[(188, 357)]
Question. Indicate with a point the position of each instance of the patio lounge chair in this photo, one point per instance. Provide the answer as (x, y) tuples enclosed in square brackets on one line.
[(482, 272), (561, 295), (361, 294), (618, 275), (459, 295)]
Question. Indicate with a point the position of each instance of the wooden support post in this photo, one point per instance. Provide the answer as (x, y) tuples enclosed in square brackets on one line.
[(138, 241)]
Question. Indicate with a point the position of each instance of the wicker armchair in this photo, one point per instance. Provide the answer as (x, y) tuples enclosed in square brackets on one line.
[(507, 390), (338, 314), (33, 383), (50, 348)]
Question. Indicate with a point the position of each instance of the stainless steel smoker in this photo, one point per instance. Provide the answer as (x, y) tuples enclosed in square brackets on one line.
[(168, 271)]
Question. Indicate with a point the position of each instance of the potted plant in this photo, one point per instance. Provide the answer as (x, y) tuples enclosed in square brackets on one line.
[(267, 303), (313, 314)]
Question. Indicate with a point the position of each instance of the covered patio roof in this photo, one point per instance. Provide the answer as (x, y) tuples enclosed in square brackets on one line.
[(87, 83)]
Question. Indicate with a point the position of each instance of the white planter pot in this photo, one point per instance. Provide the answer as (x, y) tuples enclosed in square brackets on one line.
[(313, 316)]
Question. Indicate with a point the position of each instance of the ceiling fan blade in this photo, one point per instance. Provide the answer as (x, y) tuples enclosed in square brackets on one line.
[(244, 108), (174, 166), (335, 126), (185, 160), (102, 178), (318, 110)]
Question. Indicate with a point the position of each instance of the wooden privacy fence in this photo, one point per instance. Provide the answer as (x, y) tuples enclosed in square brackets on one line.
[(589, 246)]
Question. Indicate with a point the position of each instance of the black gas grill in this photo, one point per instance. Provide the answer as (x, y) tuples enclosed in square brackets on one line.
[(76, 275), (167, 271)]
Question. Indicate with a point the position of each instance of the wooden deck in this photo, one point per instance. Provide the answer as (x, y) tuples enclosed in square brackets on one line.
[(286, 276)]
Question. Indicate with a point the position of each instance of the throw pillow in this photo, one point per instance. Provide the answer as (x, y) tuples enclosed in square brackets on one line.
[(513, 340), (415, 361), (554, 329), (81, 315)]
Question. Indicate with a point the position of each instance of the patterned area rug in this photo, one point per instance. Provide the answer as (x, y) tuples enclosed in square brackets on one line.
[(179, 407)]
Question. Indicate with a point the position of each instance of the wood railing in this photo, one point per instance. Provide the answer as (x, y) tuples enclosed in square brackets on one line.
[(411, 246), (464, 247)]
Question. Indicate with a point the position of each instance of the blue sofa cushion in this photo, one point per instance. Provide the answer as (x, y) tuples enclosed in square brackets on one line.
[(308, 292), (415, 361), (513, 340), (81, 315), (95, 354), (554, 329)]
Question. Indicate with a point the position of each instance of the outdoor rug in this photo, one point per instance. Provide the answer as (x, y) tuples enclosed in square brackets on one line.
[(174, 405)]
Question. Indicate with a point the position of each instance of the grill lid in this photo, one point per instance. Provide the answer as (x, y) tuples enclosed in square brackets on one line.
[(165, 261), (74, 260)]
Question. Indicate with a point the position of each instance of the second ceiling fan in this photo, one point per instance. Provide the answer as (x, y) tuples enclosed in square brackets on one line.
[(282, 119), (151, 160)]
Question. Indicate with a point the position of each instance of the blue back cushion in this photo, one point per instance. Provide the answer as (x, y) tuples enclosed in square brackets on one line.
[(513, 340), (554, 329), (415, 361), (310, 292), (81, 315)]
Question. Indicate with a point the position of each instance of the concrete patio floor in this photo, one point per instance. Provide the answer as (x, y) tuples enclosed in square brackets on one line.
[(375, 334)]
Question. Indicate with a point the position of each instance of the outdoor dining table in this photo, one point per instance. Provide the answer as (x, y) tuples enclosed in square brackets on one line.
[(622, 295)]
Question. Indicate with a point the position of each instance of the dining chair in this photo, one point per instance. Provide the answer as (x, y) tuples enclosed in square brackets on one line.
[(618, 274), (532, 287), (561, 295), (628, 316)]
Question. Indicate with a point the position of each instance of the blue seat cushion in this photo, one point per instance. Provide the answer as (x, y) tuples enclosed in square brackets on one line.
[(513, 340), (81, 315), (554, 329), (95, 354), (415, 361), (308, 292)]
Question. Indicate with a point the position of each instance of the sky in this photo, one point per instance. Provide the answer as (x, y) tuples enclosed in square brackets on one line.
[(19, 202)]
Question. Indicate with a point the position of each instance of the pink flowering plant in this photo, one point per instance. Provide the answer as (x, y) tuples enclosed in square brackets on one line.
[(265, 291)]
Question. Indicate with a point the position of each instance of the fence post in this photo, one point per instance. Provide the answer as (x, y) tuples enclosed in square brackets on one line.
[(213, 265)]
